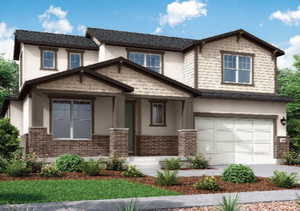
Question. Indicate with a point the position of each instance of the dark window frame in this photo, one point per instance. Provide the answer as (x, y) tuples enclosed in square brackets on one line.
[(42, 49), (251, 55), (164, 123), (74, 51)]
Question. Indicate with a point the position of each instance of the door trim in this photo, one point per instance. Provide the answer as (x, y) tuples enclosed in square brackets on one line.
[(133, 102)]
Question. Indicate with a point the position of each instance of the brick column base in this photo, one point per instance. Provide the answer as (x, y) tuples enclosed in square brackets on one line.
[(281, 146), (187, 142), (118, 142)]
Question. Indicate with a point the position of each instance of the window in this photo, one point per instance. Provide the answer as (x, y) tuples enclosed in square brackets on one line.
[(48, 60), (75, 59), (71, 119), (158, 114), (149, 60), (237, 68)]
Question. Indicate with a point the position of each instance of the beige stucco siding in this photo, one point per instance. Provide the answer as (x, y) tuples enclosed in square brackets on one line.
[(26, 115), (221, 106), (103, 115), (142, 84), (32, 61), (72, 83), (188, 68), (14, 113), (210, 65)]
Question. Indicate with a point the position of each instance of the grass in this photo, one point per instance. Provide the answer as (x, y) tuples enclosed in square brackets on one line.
[(35, 191)]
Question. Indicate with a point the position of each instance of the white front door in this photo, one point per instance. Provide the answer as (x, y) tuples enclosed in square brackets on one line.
[(235, 140)]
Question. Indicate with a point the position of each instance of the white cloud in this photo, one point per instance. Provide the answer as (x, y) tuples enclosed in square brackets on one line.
[(54, 19), (81, 28), (6, 40), (291, 17), (287, 60), (179, 12)]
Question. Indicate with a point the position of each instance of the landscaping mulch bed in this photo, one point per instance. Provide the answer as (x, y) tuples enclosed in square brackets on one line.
[(185, 185)]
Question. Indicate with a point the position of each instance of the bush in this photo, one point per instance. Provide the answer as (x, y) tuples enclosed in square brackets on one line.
[(284, 180), (91, 168), (3, 164), (207, 183), (132, 171), (69, 163), (9, 141), (18, 168), (167, 178), (50, 170), (32, 162), (198, 162), (238, 173), (229, 204), (173, 163), (116, 164), (291, 158)]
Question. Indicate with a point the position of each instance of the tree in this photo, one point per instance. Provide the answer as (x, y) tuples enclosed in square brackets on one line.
[(9, 141), (289, 85), (8, 78)]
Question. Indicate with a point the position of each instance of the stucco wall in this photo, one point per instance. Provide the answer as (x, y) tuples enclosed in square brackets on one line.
[(27, 115), (243, 107), (14, 113), (103, 115), (32, 61), (210, 70)]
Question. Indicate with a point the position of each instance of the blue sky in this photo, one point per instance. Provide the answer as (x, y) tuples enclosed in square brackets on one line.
[(183, 18)]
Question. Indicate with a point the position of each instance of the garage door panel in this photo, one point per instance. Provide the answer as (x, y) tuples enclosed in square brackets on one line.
[(224, 136), (262, 137), (205, 135), (244, 148), (222, 147), (224, 124), (263, 148), (243, 136), (244, 124), (263, 125), (205, 123)]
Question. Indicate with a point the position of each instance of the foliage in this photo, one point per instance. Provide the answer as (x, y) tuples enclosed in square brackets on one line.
[(198, 162), (9, 141), (238, 173), (284, 180), (291, 158), (229, 204), (207, 183), (116, 164), (172, 163), (32, 162), (39, 191), (132, 171), (167, 178), (3, 164), (50, 170), (8, 78), (132, 206), (18, 168), (91, 168), (69, 163)]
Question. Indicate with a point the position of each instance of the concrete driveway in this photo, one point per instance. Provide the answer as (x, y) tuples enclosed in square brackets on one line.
[(259, 170)]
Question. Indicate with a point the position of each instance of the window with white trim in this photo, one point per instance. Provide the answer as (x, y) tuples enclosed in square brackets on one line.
[(237, 69), (75, 60), (48, 59), (149, 60), (71, 119)]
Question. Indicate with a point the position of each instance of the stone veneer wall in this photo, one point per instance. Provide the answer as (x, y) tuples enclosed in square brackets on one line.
[(43, 144), (187, 142), (280, 148), (118, 142), (157, 145)]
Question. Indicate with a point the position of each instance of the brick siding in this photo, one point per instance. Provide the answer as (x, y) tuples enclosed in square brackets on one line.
[(187, 142), (118, 142), (280, 148)]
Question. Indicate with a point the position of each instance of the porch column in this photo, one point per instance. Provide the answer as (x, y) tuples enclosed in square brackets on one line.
[(187, 114), (118, 142), (119, 111), (187, 142)]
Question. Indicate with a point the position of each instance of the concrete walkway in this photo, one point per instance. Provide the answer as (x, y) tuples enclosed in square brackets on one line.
[(259, 170), (153, 203)]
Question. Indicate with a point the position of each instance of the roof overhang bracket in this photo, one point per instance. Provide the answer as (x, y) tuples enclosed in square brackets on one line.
[(120, 66), (81, 75), (238, 36), (274, 55), (201, 45)]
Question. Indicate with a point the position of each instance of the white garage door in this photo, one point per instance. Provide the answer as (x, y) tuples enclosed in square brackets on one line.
[(235, 140)]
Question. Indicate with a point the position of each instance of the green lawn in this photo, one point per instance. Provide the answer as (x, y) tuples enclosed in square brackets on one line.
[(17, 192)]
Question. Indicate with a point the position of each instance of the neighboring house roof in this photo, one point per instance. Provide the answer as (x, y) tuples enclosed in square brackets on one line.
[(139, 40), (51, 39), (234, 95)]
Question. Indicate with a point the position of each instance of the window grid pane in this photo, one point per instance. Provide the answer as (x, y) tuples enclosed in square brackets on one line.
[(138, 58), (151, 61), (61, 119), (158, 113), (75, 60), (48, 59)]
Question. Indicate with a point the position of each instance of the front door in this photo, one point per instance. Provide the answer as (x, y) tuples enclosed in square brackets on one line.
[(129, 123)]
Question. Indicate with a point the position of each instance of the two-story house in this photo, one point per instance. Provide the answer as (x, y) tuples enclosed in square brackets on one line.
[(132, 94)]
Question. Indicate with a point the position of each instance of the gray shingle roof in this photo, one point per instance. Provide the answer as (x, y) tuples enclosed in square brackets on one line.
[(51, 39), (133, 39)]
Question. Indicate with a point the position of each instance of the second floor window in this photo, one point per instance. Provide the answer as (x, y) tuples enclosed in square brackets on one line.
[(149, 60), (48, 59), (237, 69), (75, 60)]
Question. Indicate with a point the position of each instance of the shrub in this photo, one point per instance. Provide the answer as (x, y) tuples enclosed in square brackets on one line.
[(132, 171), (116, 164), (172, 163), (50, 170), (284, 180), (238, 173), (207, 183), (9, 141), (32, 162), (291, 158), (18, 168), (229, 204), (167, 178), (3, 164), (69, 163), (91, 168), (198, 162)]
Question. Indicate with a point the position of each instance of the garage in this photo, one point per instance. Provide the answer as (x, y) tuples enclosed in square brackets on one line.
[(225, 140)]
